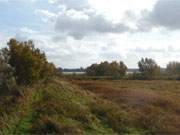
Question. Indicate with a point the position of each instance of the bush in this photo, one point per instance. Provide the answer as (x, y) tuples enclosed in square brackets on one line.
[(29, 62), (7, 80), (47, 125)]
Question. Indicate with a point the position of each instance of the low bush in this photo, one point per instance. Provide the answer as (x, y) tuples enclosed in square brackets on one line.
[(47, 125)]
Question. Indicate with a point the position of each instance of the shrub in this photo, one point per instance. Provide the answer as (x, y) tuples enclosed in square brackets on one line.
[(47, 125), (29, 62), (7, 80)]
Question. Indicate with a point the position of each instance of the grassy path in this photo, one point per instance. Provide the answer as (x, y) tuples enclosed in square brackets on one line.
[(24, 125)]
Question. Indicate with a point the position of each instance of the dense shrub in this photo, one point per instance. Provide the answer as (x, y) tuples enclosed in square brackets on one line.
[(7, 80), (29, 62)]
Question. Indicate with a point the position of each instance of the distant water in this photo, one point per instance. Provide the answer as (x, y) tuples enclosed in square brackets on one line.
[(69, 73), (80, 73)]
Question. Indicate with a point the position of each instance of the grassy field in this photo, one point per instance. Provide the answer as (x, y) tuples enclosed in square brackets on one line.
[(151, 105), (58, 107), (94, 107)]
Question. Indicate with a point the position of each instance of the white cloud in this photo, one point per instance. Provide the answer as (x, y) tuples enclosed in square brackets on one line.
[(46, 15), (115, 9), (72, 4), (27, 30), (3, 40), (74, 14)]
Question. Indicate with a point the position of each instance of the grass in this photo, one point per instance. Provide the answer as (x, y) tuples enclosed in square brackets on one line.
[(64, 109), (95, 107), (25, 123), (151, 105)]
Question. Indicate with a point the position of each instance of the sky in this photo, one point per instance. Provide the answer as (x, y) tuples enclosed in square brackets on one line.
[(77, 33)]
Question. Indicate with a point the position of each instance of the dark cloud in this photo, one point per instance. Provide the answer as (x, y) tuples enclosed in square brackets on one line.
[(166, 13)]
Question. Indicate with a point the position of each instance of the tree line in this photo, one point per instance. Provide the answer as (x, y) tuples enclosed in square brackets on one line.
[(114, 69), (148, 69)]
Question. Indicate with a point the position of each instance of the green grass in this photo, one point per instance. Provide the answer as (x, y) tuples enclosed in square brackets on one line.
[(25, 123), (67, 107)]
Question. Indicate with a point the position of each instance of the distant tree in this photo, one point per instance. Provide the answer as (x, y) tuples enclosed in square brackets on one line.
[(114, 69), (91, 70), (103, 69), (81, 69), (148, 68), (29, 62), (173, 68), (59, 71), (118, 70), (122, 69)]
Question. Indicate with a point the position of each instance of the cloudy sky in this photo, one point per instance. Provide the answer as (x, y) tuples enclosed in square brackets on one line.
[(76, 33)]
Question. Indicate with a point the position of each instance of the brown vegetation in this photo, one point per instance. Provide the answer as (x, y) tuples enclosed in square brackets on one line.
[(152, 105)]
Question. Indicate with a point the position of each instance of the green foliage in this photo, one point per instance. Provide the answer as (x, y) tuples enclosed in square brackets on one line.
[(117, 70), (148, 68), (29, 62)]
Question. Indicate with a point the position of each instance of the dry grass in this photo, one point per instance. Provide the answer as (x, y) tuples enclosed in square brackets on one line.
[(152, 105)]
